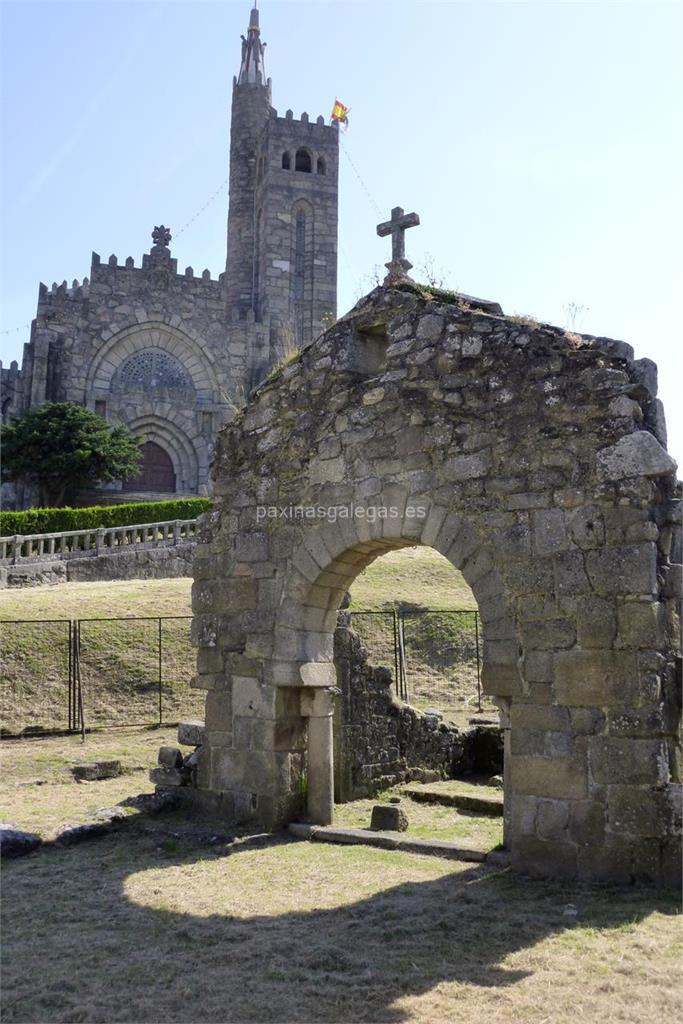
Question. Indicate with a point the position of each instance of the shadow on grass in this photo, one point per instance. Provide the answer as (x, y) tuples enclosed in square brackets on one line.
[(204, 936)]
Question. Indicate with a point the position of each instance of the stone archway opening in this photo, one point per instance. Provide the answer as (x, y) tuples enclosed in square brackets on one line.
[(415, 614), (306, 628), (409, 708)]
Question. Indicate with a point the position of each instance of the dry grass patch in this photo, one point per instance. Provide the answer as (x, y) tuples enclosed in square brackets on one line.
[(136, 929), (112, 598), (418, 575), (427, 821), (38, 792)]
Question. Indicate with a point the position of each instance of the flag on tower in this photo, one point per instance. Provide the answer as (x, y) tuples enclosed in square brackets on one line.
[(340, 113)]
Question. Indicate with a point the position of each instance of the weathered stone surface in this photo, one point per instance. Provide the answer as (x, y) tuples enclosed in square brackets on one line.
[(170, 757), (388, 818), (191, 733), (623, 570), (643, 810), (96, 770), (594, 678), (617, 761), (15, 842), (554, 777), (168, 776), (637, 454)]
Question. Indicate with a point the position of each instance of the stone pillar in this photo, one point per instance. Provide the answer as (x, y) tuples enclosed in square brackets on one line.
[(317, 705)]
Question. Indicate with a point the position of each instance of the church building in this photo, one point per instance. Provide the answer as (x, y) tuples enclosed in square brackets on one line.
[(171, 354)]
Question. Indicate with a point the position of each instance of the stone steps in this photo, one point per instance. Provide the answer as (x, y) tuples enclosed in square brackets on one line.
[(490, 805), (398, 841)]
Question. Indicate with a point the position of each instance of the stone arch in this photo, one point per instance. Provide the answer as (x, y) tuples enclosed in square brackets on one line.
[(189, 455), (535, 455), (159, 335), (328, 560)]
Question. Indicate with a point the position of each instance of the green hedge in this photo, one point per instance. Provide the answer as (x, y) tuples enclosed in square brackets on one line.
[(56, 520)]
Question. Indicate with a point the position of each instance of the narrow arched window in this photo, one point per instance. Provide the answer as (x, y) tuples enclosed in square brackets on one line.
[(321, 169), (299, 255), (285, 162), (303, 161)]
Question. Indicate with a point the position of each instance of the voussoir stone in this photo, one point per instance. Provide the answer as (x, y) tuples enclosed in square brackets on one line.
[(636, 454)]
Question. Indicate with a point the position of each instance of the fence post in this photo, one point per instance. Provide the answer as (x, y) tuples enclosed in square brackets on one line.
[(15, 548), (77, 665), (402, 656), (161, 713), (476, 636), (69, 702), (99, 540), (176, 531), (397, 677)]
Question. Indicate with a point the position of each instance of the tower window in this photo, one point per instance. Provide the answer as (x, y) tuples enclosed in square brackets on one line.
[(321, 166), (303, 161), (285, 162)]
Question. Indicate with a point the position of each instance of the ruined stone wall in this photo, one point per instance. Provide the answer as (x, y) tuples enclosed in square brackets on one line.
[(379, 740), (536, 459)]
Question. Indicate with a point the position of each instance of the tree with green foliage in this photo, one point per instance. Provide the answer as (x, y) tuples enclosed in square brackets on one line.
[(61, 447)]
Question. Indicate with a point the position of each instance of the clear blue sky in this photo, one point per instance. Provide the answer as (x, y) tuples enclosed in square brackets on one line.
[(539, 142)]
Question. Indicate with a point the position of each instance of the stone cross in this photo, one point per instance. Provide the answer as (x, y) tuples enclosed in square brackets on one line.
[(396, 227)]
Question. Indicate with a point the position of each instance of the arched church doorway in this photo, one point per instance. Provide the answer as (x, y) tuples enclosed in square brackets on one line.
[(156, 471)]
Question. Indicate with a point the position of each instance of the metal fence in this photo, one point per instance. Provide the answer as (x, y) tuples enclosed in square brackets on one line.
[(434, 655), (63, 675), (67, 675)]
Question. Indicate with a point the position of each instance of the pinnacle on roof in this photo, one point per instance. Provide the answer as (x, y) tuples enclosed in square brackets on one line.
[(252, 68)]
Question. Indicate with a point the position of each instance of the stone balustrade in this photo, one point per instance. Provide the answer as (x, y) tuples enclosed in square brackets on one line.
[(81, 543)]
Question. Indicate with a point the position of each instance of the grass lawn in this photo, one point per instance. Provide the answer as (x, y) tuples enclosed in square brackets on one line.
[(428, 821), (38, 792), (418, 576), (141, 927), (120, 662)]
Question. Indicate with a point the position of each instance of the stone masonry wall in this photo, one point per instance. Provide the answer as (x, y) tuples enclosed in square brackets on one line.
[(154, 564), (534, 460)]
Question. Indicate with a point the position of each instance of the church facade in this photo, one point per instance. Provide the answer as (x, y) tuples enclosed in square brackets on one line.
[(172, 354)]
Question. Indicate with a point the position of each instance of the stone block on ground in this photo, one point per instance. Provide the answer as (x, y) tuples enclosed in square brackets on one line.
[(388, 818), (170, 757), (168, 776), (96, 770), (191, 734), (16, 843), (424, 775), (73, 834)]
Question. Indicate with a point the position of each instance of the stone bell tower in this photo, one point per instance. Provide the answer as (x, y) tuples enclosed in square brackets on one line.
[(281, 265)]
